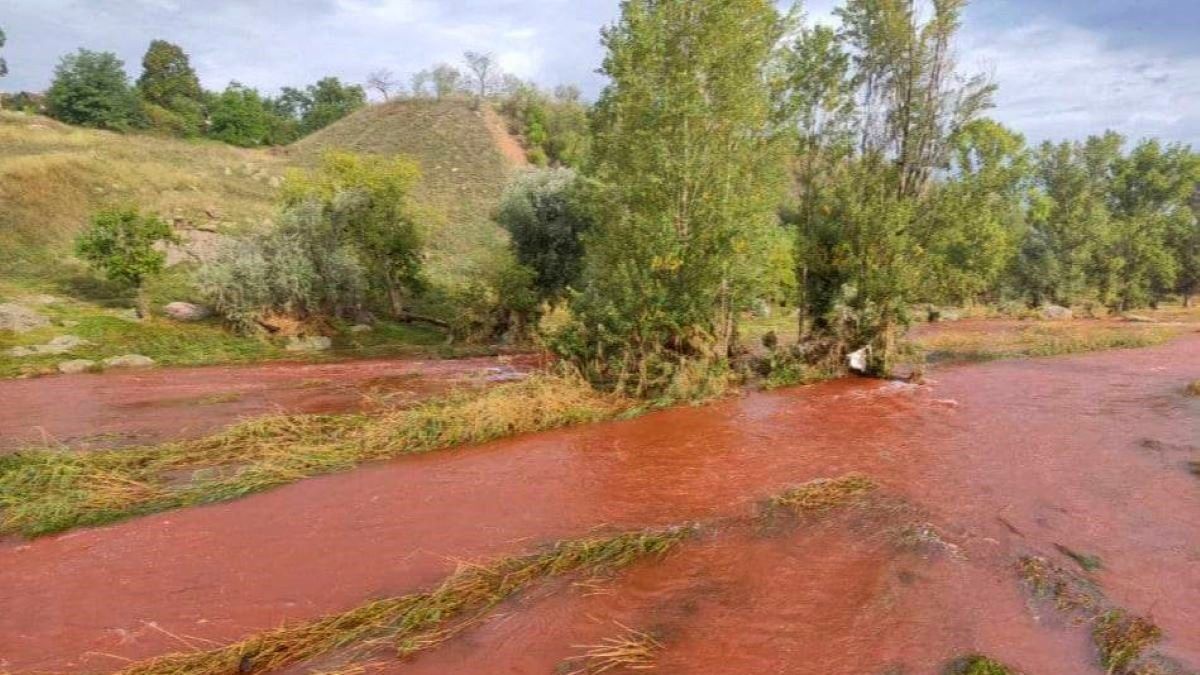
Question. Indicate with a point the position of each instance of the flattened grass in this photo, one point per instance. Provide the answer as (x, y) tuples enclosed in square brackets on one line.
[(1193, 389), (825, 494), (978, 665), (46, 491), (1041, 340), (630, 650), (415, 622), (1123, 640)]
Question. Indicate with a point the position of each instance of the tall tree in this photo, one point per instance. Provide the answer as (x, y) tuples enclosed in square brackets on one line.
[(239, 116), (690, 175), (484, 74), (3, 62), (91, 89), (167, 76), (329, 101), (908, 104), (447, 80)]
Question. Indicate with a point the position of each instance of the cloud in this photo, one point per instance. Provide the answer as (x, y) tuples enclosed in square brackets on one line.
[(1059, 80), (1065, 69)]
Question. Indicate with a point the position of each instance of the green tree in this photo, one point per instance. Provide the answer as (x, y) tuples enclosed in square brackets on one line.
[(329, 101), (170, 91), (1186, 244), (1150, 201), (91, 89), (889, 84), (120, 243), (977, 217), (368, 200), (3, 62), (542, 212), (167, 76), (239, 116), (689, 173)]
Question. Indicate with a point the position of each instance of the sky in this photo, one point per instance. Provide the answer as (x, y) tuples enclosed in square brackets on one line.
[(1065, 68)]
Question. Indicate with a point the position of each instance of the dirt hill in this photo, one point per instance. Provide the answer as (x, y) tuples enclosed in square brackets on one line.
[(466, 158)]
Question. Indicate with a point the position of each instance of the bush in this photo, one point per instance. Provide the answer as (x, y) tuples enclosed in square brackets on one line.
[(547, 221), (298, 270), (120, 243)]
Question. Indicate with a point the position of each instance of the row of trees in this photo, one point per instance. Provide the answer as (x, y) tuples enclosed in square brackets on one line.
[(92, 89), (727, 124)]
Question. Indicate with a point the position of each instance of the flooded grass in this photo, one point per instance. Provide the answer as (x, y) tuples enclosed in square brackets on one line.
[(1193, 389), (825, 494), (978, 665), (47, 491), (1122, 640), (1089, 563), (630, 650), (951, 344), (420, 621)]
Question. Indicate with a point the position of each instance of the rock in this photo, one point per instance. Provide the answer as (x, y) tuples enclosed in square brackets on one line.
[(20, 319), (75, 367), (275, 182), (129, 361), (59, 345), (186, 311), (1057, 313), (129, 315), (361, 328), (44, 300), (309, 344)]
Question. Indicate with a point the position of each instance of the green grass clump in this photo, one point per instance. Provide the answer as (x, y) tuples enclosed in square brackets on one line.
[(414, 622), (1122, 639), (47, 491), (824, 494), (978, 665)]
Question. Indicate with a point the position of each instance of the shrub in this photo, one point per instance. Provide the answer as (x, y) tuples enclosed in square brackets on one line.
[(546, 220), (120, 243), (300, 269)]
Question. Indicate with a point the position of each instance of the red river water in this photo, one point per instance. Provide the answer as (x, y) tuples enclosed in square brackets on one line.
[(1004, 459)]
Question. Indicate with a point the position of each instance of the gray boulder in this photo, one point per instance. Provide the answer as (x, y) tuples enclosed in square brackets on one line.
[(59, 345), (1057, 313), (129, 361), (186, 312), (309, 344), (361, 328), (75, 367), (20, 319)]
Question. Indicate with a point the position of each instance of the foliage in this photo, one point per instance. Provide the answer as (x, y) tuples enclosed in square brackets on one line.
[(170, 91), (328, 101), (543, 213), (240, 117), (367, 202), (554, 126), (3, 62), (91, 89), (688, 177), (876, 108), (302, 268), (120, 242)]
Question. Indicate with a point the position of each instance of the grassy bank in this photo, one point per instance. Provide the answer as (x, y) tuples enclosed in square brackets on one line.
[(46, 491), (951, 344)]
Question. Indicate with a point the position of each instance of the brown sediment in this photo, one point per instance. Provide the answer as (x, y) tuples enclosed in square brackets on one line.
[(1003, 459), (141, 407)]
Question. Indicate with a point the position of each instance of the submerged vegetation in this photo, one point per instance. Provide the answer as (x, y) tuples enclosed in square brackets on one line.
[(47, 491), (1123, 640), (420, 621), (978, 665), (631, 650)]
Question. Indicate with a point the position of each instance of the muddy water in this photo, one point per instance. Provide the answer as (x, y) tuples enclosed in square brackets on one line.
[(1003, 459), (136, 407)]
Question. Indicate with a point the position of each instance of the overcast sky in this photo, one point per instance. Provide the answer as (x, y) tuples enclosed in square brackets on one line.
[(1066, 68)]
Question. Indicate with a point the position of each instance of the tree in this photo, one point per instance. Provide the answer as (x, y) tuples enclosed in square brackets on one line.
[(91, 89), (383, 81), (1186, 244), (368, 202), (688, 177), (329, 101), (484, 72), (167, 76), (120, 243), (888, 82), (240, 117), (3, 62), (542, 211), (447, 81), (977, 215)]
